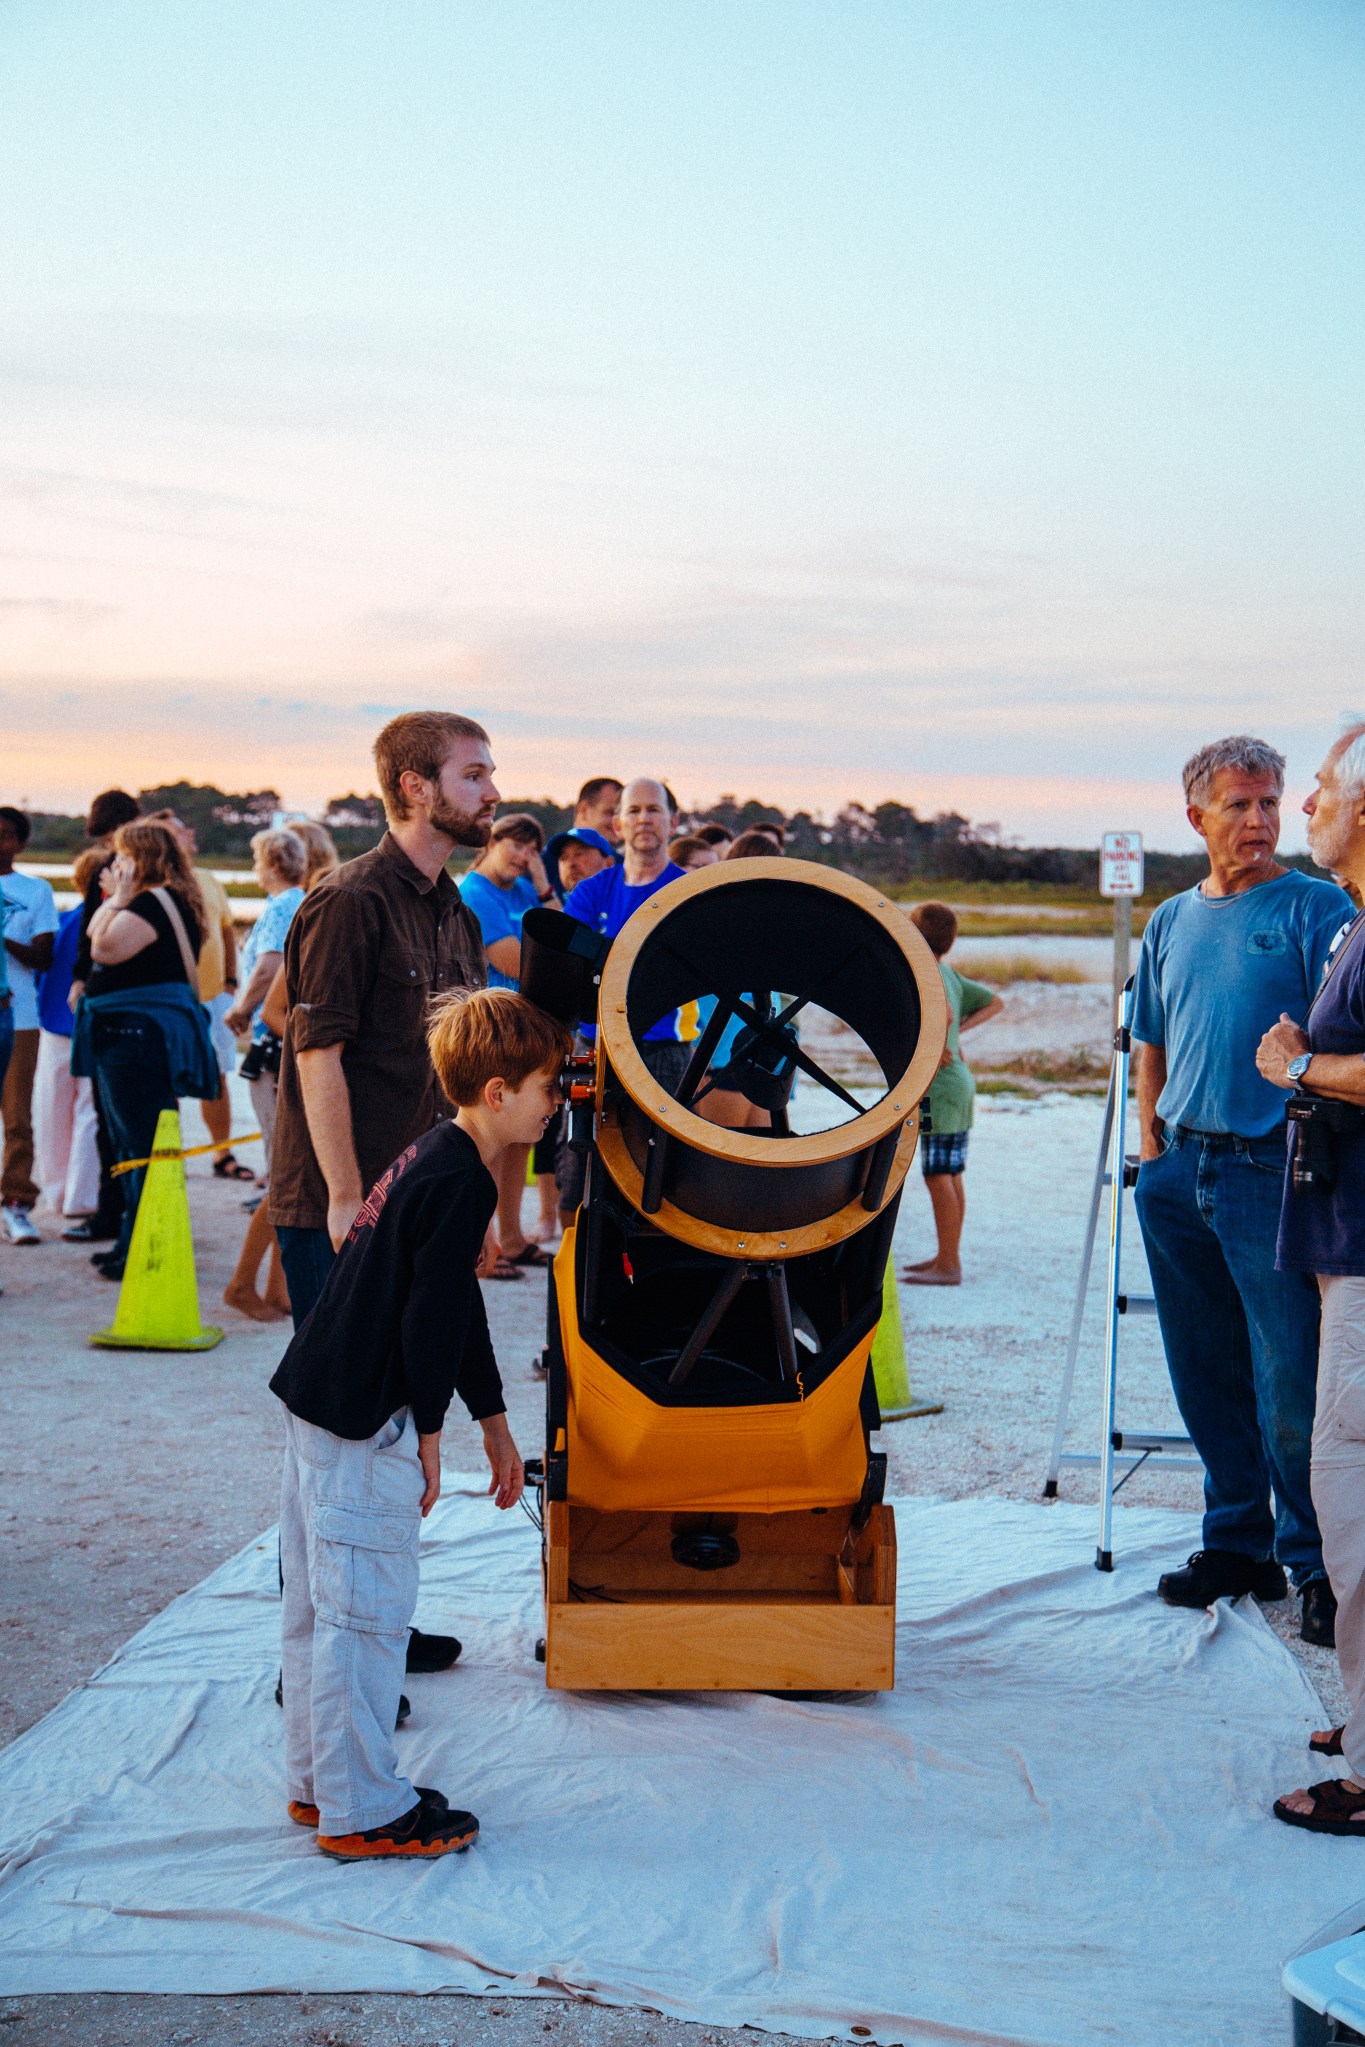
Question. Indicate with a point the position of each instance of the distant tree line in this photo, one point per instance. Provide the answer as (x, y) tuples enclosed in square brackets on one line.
[(890, 845)]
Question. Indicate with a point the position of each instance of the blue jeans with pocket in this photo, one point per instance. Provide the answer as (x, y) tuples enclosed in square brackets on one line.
[(1241, 1339), (350, 1529)]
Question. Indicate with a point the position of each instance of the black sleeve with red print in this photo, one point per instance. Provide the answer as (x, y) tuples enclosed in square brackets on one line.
[(401, 1322)]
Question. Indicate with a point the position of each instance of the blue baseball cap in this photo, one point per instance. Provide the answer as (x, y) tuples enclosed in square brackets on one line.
[(583, 835)]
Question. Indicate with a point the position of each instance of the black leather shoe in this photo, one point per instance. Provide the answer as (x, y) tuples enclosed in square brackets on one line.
[(1222, 1574), (1319, 1623), (429, 1653)]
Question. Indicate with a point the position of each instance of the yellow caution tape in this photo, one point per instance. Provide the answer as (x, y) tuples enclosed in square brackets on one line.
[(194, 1151)]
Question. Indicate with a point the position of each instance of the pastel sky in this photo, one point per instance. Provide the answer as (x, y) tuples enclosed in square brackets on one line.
[(808, 398)]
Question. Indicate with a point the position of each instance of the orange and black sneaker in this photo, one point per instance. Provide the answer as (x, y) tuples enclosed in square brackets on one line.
[(428, 1830), (304, 1815)]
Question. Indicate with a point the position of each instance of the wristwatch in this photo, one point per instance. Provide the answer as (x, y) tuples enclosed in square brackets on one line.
[(1298, 1066)]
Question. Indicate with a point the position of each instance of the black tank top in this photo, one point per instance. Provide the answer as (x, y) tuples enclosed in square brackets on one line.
[(158, 962)]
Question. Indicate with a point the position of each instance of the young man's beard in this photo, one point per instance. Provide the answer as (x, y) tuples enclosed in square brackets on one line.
[(465, 827)]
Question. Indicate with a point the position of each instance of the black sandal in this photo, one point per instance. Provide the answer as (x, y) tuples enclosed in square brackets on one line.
[(1334, 1807), (1327, 1744), (227, 1167)]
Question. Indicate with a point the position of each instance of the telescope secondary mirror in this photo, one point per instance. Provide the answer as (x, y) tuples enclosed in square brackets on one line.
[(768, 939)]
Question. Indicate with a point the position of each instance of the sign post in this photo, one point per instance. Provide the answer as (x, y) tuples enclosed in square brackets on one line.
[(1121, 878)]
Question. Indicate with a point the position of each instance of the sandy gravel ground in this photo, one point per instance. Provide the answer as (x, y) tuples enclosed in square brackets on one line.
[(126, 1477)]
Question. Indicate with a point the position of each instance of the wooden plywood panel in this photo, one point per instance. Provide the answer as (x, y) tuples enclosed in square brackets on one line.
[(556, 1551), (704, 1645)]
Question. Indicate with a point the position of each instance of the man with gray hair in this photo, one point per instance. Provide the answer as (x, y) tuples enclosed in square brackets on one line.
[(1322, 1234), (1219, 965)]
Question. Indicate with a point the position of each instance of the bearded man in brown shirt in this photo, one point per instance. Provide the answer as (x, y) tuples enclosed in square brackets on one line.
[(366, 952)]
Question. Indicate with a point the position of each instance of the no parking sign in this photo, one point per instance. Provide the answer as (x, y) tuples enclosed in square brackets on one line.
[(1121, 864)]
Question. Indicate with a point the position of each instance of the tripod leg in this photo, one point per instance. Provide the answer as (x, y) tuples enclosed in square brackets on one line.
[(1104, 1553), (1073, 1341)]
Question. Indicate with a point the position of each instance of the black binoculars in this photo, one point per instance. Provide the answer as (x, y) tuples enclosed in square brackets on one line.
[(1316, 1124)]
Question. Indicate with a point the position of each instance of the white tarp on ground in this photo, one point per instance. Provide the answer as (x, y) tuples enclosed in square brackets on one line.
[(1056, 1830)]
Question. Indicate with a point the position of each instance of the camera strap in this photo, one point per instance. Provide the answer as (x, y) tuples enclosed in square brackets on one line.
[(1348, 939)]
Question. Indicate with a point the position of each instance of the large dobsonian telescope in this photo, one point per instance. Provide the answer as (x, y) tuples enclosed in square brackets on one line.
[(713, 1509)]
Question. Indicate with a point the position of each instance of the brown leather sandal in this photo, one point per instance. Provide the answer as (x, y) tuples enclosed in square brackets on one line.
[(1327, 1744), (1334, 1807)]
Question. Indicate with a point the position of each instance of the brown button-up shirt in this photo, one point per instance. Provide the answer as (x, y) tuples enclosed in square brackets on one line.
[(367, 950)]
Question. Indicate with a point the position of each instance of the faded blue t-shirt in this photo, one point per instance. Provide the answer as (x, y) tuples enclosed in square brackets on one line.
[(1324, 1230), (1214, 975), (607, 903), (499, 911)]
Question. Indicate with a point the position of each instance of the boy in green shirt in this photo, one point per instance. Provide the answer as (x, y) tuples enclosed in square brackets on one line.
[(943, 1153)]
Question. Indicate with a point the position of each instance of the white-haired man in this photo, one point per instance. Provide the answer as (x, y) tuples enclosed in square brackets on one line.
[(1220, 963), (1322, 1232)]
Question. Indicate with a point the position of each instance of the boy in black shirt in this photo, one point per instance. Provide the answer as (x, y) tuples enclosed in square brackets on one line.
[(399, 1327)]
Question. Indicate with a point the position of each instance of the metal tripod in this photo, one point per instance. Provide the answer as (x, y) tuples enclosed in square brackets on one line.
[(1114, 1170)]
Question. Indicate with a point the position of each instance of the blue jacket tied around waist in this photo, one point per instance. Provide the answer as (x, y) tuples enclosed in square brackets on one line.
[(181, 1021)]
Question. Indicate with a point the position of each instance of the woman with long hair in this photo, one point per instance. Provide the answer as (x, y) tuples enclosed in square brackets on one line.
[(140, 1028)]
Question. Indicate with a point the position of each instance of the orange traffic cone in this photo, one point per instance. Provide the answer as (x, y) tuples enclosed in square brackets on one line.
[(158, 1303)]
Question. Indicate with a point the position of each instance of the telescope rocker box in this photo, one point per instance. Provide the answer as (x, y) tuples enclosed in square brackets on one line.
[(713, 1510)]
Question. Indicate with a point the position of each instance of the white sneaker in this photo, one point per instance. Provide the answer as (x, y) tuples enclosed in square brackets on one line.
[(18, 1226)]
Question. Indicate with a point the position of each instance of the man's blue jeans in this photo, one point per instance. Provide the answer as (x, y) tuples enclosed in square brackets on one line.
[(1241, 1339), (6, 1037), (307, 1257)]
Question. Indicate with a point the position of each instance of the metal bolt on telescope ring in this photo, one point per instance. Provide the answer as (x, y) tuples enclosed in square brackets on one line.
[(824, 939)]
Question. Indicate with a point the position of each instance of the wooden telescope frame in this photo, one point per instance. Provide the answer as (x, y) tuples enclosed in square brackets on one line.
[(706, 1526)]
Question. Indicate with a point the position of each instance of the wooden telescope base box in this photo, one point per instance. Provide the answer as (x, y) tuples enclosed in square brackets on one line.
[(804, 1609)]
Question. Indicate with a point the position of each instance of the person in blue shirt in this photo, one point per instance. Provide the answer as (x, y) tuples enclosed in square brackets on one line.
[(65, 1122), (507, 879), (606, 901), (594, 820), (1220, 964)]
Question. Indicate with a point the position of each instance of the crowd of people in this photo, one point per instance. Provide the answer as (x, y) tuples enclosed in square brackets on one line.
[(1250, 990), (126, 1004)]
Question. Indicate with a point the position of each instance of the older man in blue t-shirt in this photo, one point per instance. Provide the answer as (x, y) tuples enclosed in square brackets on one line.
[(607, 901), (1220, 964)]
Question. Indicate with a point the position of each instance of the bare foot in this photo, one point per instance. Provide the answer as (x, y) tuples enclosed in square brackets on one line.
[(248, 1303), (931, 1274), (1302, 1801)]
